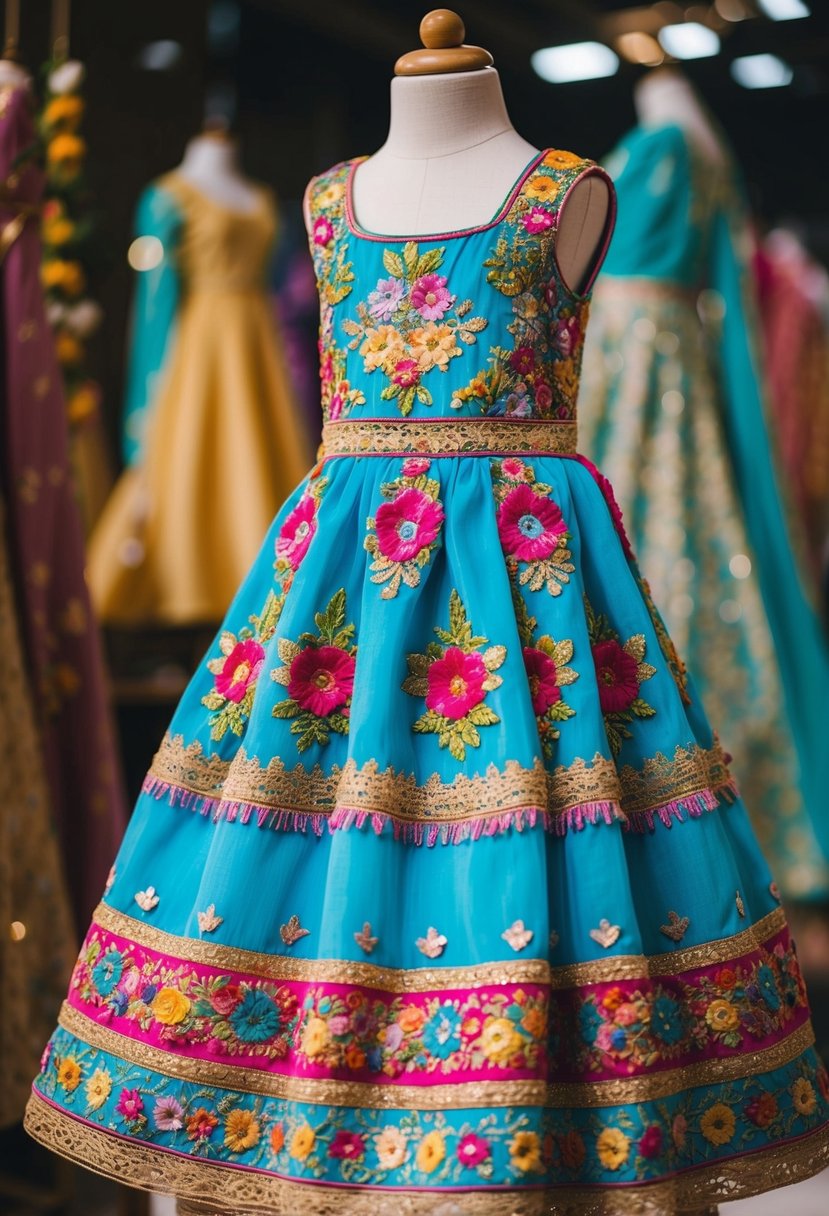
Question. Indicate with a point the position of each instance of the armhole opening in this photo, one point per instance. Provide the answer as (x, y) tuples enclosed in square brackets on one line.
[(607, 231)]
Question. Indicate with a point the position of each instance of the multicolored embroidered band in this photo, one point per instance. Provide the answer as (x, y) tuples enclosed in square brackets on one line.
[(447, 437)]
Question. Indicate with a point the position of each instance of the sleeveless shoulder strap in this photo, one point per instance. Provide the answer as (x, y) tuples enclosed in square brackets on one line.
[(326, 196)]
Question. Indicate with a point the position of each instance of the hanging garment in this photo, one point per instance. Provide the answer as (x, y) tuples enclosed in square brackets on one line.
[(671, 409), (46, 547), (213, 442), (439, 892)]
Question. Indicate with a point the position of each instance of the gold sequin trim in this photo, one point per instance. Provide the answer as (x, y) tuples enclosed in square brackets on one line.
[(247, 1191), (619, 1091), (322, 1091), (369, 789), (446, 437)]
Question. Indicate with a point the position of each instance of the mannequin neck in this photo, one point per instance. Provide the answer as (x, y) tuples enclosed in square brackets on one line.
[(433, 116), (665, 97), (13, 74), (209, 158)]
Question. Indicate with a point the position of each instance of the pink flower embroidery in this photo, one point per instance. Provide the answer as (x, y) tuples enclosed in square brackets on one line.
[(456, 683), (626, 1014), (347, 1145), (472, 1150), (530, 526), (406, 373), (130, 1104), (323, 231), (567, 336), (430, 297), (523, 360), (383, 301), (616, 676), (225, 1000), (321, 679), (407, 524), (338, 1025), (604, 1037), (297, 532), (542, 678), (240, 669), (543, 396), (168, 1115), (537, 220), (514, 468), (335, 407), (651, 1143), (327, 369), (415, 466)]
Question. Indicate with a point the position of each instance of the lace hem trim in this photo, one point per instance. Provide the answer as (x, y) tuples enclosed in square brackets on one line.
[(233, 1189), (664, 789), (447, 437)]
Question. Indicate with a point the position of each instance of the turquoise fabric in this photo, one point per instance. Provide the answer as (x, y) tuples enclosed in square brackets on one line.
[(154, 309)]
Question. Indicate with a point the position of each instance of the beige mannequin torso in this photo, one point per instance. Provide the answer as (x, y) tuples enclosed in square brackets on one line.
[(12, 75), (210, 164), (449, 162)]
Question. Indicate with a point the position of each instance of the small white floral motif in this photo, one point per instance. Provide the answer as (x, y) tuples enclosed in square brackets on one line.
[(208, 920), (293, 931), (606, 934), (554, 939), (364, 939), (433, 944), (517, 935), (146, 900), (110, 880), (738, 900)]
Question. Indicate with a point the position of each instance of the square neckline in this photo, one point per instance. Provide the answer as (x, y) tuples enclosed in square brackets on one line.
[(356, 229)]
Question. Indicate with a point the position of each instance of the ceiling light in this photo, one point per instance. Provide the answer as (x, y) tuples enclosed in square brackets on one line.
[(732, 10), (784, 10), (690, 40), (577, 61), (761, 72), (639, 47), (159, 56)]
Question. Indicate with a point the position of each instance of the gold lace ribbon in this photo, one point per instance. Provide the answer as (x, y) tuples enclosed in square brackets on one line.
[(447, 437), (206, 1187)]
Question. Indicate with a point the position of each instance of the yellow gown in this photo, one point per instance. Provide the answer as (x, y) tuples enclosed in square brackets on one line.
[(224, 445)]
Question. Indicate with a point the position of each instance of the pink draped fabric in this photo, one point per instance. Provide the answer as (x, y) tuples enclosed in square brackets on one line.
[(46, 545)]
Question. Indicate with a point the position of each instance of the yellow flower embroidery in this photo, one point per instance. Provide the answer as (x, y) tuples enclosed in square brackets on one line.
[(545, 188), (316, 1037), (170, 1006), (804, 1097), (303, 1141), (431, 1152), (69, 1074), (613, 1148), (383, 348), (722, 1015), (525, 1151), (98, 1088), (241, 1131), (390, 1146), (433, 346), (561, 160), (500, 1040), (717, 1124), (330, 196)]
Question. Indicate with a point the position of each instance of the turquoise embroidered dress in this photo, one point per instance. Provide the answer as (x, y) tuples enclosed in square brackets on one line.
[(440, 892)]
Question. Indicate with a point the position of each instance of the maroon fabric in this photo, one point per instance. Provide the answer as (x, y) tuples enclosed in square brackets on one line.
[(47, 547)]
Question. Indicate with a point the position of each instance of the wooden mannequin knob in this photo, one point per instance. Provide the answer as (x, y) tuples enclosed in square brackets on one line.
[(442, 33)]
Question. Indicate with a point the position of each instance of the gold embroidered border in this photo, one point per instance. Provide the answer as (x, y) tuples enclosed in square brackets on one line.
[(243, 1192), (446, 436), (660, 781), (439, 979), (619, 1091)]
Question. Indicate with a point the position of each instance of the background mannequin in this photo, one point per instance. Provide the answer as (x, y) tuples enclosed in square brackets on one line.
[(665, 96), (13, 75), (211, 164), (452, 155)]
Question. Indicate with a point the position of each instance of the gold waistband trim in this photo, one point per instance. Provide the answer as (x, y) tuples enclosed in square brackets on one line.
[(285, 969), (367, 1095), (247, 1191), (446, 437)]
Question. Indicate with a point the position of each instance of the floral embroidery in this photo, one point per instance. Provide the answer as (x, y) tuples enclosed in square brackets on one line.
[(620, 671), (545, 662), (319, 676), (364, 939), (433, 944), (606, 935), (405, 527), (741, 908), (676, 927), (454, 679), (208, 921), (531, 527), (147, 900), (411, 324), (517, 935), (675, 664), (292, 931), (237, 671)]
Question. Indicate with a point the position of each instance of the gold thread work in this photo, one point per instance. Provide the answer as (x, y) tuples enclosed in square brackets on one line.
[(447, 437)]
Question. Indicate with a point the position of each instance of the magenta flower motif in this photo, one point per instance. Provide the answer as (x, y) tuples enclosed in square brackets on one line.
[(651, 1143), (472, 1150), (327, 369), (168, 1115), (543, 396), (514, 468), (523, 360), (406, 373), (537, 220), (415, 465), (321, 679), (430, 297), (604, 1036), (240, 669), (407, 524), (567, 336), (543, 679), (384, 300), (530, 527), (323, 231), (46, 1057), (348, 1146), (130, 1104), (456, 683), (297, 532), (616, 676), (336, 406), (551, 293)]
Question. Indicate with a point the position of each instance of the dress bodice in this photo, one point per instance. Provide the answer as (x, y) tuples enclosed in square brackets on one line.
[(472, 323), (221, 248)]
